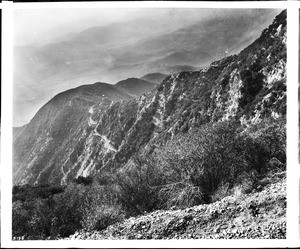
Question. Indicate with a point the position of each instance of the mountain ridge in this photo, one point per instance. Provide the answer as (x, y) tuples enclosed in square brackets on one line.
[(136, 86), (66, 65), (154, 77), (247, 87)]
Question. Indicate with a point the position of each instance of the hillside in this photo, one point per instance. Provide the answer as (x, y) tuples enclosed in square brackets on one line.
[(251, 216), (51, 127), (248, 87)]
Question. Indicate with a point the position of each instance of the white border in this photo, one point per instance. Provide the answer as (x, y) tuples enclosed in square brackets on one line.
[(153, 4), (292, 126), (6, 122)]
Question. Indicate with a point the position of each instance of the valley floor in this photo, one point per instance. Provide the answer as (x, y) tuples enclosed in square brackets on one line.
[(259, 215)]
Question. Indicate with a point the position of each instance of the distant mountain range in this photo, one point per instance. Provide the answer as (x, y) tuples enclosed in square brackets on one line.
[(101, 126), (127, 49), (135, 86), (154, 77)]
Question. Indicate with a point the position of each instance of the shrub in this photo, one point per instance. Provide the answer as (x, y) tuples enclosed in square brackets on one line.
[(21, 216), (221, 192), (41, 218), (269, 137), (218, 159), (138, 184), (32, 219), (27, 192), (254, 153), (84, 180), (92, 207), (100, 217), (180, 195), (67, 211), (104, 178), (100, 207), (203, 165), (203, 158)]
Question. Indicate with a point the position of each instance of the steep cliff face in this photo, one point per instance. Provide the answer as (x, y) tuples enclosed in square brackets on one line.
[(68, 138), (39, 146)]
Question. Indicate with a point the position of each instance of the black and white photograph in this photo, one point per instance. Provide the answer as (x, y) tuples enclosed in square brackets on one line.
[(149, 123)]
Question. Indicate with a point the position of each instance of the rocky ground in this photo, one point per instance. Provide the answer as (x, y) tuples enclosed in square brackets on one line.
[(256, 215)]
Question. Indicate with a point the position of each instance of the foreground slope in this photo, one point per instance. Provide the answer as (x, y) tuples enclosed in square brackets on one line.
[(258, 215), (248, 87)]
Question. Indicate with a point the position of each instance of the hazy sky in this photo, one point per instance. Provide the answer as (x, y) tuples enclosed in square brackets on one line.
[(42, 26)]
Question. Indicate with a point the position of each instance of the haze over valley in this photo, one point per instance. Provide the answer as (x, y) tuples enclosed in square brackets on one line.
[(128, 43)]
